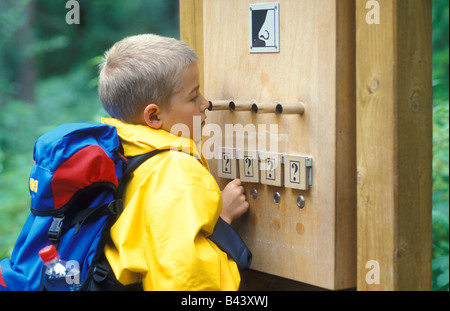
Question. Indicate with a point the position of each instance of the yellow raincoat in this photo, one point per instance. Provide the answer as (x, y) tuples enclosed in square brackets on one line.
[(171, 206)]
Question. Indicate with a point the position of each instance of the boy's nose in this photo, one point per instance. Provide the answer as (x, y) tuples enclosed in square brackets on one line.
[(204, 103)]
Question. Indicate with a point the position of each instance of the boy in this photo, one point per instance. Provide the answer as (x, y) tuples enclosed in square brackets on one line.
[(150, 85)]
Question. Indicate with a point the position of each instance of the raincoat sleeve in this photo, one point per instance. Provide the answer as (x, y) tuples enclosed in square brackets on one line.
[(179, 218)]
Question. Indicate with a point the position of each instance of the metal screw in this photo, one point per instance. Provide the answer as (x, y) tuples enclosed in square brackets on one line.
[(254, 194), (301, 201), (276, 197)]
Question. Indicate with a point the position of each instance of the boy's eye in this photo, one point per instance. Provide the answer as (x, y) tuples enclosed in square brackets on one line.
[(194, 99)]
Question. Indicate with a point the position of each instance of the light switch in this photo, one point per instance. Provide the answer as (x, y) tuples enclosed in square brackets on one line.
[(271, 170), (248, 167), (297, 171), (227, 167)]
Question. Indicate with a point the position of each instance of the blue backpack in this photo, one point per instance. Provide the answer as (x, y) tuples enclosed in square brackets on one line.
[(76, 186)]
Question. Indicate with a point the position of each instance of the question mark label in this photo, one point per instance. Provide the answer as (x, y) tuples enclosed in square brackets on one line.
[(270, 172), (295, 171), (248, 167), (248, 172), (298, 170), (271, 169), (227, 163)]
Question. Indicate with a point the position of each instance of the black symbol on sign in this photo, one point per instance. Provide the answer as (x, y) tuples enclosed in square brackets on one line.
[(270, 172), (295, 172), (226, 163), (266, 33), (263, 28), (248, 166)]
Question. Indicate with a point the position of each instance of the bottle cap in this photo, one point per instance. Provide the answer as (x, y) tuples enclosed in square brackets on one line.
[(48, 253)]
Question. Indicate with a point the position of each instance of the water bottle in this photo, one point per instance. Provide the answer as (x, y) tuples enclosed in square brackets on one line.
[(59, 274)]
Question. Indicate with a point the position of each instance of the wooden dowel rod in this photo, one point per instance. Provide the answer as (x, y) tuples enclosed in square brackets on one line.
[(215, 105), (296, 108), (264, 107), (250, 105), (241, 105)]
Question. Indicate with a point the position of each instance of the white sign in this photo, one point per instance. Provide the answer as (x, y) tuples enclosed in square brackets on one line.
[(264, 29)]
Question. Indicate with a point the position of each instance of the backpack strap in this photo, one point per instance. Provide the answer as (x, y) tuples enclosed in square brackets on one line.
[(115, 207), (229, 241), (134, 162)]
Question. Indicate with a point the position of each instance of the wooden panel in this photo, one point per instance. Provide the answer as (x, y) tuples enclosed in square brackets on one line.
[(316, 244), (346, 144), (191, 29), (394, 145)]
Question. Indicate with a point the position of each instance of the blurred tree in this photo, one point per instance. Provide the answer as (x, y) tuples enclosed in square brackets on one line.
[(440, 145), (36, 42), (12, 19), (102, 22), (440, 49)]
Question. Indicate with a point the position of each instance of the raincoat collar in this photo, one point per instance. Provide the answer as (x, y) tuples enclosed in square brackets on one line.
[(139, 139)]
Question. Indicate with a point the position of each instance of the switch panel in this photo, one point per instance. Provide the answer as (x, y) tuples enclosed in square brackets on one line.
[(271, 169), (248, 167), (227, 167), (297, 170)]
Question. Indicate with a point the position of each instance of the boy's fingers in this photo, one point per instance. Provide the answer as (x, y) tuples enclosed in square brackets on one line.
[(237, 182)]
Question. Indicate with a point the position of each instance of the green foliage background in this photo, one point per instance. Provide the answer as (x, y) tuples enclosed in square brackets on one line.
[(440, 145), (48, 73), (61, 61)]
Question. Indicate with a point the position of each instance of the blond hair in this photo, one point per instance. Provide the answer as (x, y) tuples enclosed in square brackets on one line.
[(139, 70)]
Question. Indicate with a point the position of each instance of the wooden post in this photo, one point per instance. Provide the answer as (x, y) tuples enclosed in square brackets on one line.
[(394, 137), (191, 30), (394, 144), (316, 65)]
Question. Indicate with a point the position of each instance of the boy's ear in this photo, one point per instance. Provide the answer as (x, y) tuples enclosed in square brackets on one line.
[(151, 116)]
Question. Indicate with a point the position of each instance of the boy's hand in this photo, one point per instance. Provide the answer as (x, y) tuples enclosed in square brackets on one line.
[(234, 202)]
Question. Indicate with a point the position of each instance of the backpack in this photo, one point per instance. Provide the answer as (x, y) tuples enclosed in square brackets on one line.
[(76, 187)]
